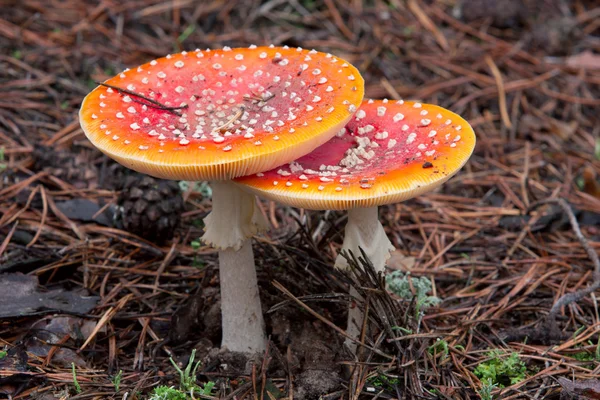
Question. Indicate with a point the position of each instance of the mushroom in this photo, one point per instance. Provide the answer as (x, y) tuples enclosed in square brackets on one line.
[(389, 152), (216, 115)]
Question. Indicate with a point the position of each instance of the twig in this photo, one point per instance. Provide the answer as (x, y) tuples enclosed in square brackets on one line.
[(580, 294), (152, 103), (231, 121)]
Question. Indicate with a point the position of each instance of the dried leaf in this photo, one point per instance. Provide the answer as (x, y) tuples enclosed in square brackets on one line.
[(20, 296), (85, 210), (580, 389)]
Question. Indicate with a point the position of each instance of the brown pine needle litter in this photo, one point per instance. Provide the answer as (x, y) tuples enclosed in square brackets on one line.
[(498, 268)]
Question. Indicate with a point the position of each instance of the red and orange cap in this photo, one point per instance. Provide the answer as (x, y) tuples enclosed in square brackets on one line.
[(219, 114), (388, 152)]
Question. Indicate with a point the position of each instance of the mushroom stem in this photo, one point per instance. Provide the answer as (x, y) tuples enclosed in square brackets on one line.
[(364, 230), (241, 312), (234, 219), (355, 320)]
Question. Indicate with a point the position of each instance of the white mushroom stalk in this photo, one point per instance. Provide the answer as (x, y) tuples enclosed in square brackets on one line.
[(234, 219), (364, 231)]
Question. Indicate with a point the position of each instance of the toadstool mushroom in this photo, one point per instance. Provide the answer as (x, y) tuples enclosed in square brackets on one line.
[(388, 152), (216, 115)]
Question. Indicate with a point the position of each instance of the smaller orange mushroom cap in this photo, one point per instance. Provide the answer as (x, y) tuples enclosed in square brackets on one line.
[(219, 114), (390, 151)]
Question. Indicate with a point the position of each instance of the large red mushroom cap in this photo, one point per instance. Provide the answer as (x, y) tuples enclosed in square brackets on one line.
[(219, 114), (388, 152)]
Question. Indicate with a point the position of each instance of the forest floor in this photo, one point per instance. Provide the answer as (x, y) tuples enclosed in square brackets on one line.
[(87, 307)]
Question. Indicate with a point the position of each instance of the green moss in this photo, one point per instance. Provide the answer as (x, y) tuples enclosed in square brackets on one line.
[(501, 371), (399, 284), (584, 356), (167, 393), (384, 382)]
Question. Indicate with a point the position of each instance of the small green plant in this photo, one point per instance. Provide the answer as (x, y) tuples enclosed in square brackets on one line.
[(399, 284), (406, 331), (197, 262), (167, 393), (187, 377), (588, 356), (116, 380), (439, 347), (75, 382), (2, 163), (187, 383), (207, 389), (383, 382), (584, 356), (186, 33), (501, 371), (486, 389)]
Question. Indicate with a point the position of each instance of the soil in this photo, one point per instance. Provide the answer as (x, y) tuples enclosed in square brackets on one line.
[(526, 75)]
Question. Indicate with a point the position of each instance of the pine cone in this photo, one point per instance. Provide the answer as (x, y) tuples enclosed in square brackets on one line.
[(150, 208)]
